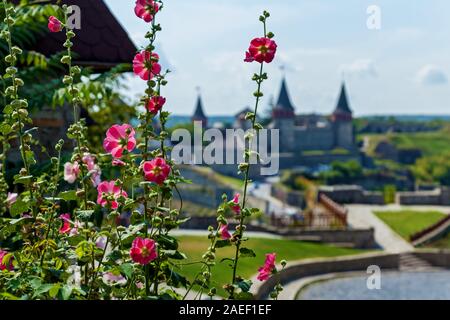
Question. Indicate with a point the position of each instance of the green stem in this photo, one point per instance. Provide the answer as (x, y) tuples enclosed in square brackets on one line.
[(20, 123), (246, 177)]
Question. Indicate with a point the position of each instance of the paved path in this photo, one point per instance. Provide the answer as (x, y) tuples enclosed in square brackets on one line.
[(263, 191), (361, 216)]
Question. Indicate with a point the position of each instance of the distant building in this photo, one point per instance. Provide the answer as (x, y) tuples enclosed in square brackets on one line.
[(312, 132), (199, 114), (101, 44), (388, 151), (306, 140)]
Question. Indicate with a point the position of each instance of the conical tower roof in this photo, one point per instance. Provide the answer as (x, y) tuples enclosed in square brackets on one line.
[(284, 101), (343, 105), (283, 108), (198, 113)]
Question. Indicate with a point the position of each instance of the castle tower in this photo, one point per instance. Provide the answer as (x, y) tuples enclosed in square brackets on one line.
[(342, 119), (283, 115), (199, 115)]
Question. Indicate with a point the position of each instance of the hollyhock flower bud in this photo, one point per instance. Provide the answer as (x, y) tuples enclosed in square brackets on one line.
[(54, 25), (236, 207), (146, 9), (118, 163), (109, 193), (11, 199), (156, 170), (143, 251), (261, 50), (3, 266), (66, 227), (265, 271), (146, 66), (71, 171), (155, 104), (119, 138), (224, 233)]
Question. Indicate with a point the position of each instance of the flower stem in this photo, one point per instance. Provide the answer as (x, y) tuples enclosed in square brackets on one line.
[(240, 231)]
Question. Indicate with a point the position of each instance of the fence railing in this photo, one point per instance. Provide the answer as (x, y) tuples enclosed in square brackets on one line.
[(337, 210), (420, 234)]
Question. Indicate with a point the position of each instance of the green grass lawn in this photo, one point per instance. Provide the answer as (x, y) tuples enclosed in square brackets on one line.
[(430, 143), (408, 222), (288, 250)]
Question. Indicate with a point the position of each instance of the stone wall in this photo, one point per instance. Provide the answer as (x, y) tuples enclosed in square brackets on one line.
[(352, 194), (436, 257), (438, 197)]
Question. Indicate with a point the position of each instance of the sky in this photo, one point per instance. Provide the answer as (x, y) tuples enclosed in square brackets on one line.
[(402, 67)]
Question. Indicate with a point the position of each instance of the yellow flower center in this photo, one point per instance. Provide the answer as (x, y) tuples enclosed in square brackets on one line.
[(263, 49), (157, 170), (144, 252)]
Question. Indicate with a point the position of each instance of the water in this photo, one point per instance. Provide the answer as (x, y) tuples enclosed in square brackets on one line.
[(394, 286)]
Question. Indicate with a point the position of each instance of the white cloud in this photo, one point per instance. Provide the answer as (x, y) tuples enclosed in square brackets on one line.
[(431, 75), (363, 68)]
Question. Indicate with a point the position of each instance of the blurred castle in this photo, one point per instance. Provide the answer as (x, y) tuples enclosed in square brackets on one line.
[(305, 139), (312, 132)]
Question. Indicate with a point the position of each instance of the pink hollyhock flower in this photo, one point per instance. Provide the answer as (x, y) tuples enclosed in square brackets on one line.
[(101, 242), (93, 168), (236, 207), (74, 231), (54, 25), (71, 171), (155, 104), (11, 199), (156, 170), (146, 9), (110, 278), (119, 138), (224, 233), (118, 163), (146, 66), (3, 266), (66, 227), (269, 265), (261, 50), (143, 251), (108, 193)]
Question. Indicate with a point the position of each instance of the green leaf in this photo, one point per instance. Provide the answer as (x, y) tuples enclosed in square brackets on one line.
[(19, 207), (5, 129), (247, 253), (8, 296), (245, 285), (127, 269), (22, 180), (42, 289), (66, 292), (244, 296), (174, 254), (68, 195), (223, 243), (53, 292), (84, 215), (167, 242)]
